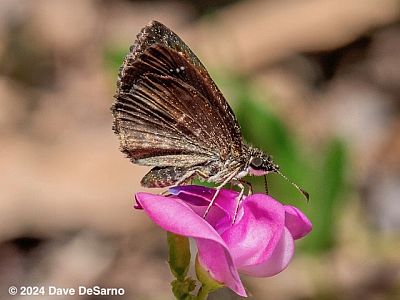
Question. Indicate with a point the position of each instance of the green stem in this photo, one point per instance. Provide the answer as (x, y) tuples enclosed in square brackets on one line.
[(202, 293)]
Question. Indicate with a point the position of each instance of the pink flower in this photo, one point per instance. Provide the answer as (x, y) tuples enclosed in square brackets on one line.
[(260, 243)]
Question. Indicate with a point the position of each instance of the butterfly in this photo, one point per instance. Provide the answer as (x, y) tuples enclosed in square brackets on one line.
[(170, 115)]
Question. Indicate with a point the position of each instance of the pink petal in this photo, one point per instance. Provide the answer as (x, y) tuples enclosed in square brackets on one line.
[(198, 197), (257, 232), (277, 262), (176, 216), (201, 196), (217, 260), (297, 222)]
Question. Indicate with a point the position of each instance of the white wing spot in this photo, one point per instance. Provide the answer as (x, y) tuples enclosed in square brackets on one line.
[(177, 70), (181, 118), (182, 68)]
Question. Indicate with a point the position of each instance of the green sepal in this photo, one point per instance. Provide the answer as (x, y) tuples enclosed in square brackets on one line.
[(179, 255), (182, 288)]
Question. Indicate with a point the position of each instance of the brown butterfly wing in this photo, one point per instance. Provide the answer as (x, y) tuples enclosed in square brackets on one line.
[(168, 111), (158, 121)]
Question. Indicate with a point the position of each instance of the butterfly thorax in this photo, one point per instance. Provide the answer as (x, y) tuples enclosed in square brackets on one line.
[(252, 161)]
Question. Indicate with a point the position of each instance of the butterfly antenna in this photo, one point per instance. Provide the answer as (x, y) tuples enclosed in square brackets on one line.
[(305, 194)]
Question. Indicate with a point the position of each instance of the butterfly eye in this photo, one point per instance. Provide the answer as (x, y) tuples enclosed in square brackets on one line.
[(256, 162)]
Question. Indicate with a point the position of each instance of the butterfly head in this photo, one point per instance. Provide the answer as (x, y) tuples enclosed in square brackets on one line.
[(262, 164)]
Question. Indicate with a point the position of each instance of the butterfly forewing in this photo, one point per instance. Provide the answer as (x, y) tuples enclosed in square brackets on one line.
[(158, 110), (167, 104)]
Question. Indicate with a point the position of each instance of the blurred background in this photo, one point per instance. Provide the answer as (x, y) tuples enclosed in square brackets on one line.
[(315, 83)]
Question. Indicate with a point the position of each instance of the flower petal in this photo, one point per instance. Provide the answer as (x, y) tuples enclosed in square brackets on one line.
[(176, 216), (217, 260), (257, 230), (199, 197), (297, 222), (277, 262)]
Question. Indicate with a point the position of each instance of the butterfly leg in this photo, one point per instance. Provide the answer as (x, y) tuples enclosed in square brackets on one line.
[(165, 193), (239, 199), (218, 189), (190, 175), (249, 186)]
